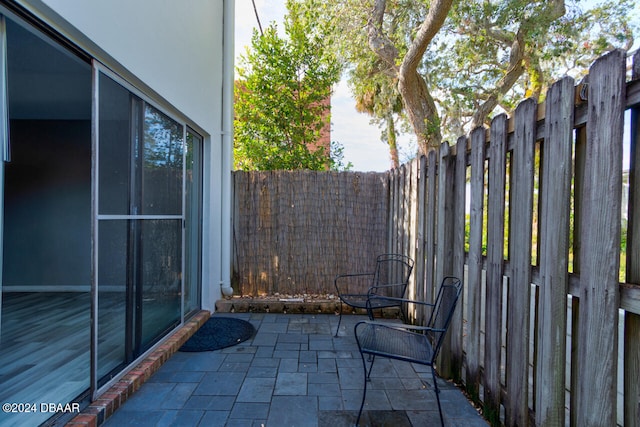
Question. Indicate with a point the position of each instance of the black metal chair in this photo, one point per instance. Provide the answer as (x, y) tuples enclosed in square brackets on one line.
[(416, 344), (389, 279)]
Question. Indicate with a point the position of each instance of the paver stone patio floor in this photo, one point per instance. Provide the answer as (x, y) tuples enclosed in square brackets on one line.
[(293, 372)]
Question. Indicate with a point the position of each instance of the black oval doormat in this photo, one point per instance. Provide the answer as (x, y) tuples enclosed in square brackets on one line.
[(219, 332)]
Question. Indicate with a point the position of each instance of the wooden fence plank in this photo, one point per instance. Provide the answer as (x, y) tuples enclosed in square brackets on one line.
[(444, 248), (412, 240), (402, 197), (406, 209), (444, 212), (460, 190), (632, 320), (420, 237), (599, 292), (495, 257), (518, 299), (474, 280), (430, 235), (554, 252)]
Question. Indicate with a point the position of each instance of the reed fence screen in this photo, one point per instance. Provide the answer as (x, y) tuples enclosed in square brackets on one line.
[(535, 213), (294, 231)]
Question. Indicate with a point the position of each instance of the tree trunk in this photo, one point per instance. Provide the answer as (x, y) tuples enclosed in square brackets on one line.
[(418, 102), (392, 141), (421, 110)]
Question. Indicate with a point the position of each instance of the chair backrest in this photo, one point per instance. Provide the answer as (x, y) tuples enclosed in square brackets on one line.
[(393, 269), (443, 309)]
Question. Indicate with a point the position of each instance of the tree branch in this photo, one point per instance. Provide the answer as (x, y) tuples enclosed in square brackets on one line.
[(515, 70), (378, 41), (438, 12), (554, 10)]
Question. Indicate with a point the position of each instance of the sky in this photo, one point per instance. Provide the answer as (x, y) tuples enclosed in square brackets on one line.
[(361, 140)]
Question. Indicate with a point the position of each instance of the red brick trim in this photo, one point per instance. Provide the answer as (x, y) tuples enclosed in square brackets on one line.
[(109, 401)]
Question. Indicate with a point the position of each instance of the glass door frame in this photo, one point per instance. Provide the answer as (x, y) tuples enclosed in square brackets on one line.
[(193, 212), (5, 154), (98, 70)]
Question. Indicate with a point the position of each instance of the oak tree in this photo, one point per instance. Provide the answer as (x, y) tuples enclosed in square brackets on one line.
[(454, 64)]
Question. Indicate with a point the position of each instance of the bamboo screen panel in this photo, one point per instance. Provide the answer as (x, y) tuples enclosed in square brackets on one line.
[(294, 231)]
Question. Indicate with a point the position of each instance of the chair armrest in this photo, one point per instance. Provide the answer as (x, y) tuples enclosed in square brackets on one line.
[(399, 326), (400, 300)]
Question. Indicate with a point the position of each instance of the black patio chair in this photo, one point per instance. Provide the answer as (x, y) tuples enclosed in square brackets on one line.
[(416, 344), (389, 279)]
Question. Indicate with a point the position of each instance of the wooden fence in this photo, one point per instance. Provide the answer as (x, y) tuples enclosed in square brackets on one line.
[(537, 339), (528, 212)]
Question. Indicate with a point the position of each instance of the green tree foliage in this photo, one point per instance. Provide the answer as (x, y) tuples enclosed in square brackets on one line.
[(281, 98), (454, 64)]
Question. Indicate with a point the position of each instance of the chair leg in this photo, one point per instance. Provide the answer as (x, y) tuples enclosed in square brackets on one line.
[(405, 318), (339, 320), (372, 358), (364, 391), (435, 384)]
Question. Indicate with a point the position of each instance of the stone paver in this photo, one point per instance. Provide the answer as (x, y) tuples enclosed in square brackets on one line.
[(293, 372)]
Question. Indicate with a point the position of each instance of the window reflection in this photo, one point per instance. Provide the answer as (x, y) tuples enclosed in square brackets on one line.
[(160, 279), (141, 151), (162, 170)]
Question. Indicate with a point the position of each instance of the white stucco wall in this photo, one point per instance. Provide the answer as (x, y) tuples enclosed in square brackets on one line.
[(174, 52), (174, 47)]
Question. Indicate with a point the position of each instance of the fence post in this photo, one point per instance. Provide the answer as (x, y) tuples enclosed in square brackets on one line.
[(632, 320), (518, 300), (474, 280), (599, 291), (495, 261), (554, 253)]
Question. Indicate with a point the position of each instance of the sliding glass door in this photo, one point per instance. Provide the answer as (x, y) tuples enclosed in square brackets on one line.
[(140, 220)]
